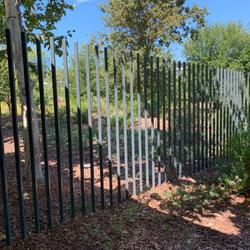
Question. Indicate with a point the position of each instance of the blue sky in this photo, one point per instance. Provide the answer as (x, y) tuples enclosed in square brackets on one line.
[(86, 19)]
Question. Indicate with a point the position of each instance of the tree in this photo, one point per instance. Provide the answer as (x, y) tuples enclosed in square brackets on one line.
[(32, 16), (149, 24), (221, 46)]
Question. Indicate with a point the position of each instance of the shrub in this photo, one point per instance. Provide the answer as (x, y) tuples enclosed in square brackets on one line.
[(239, 171)]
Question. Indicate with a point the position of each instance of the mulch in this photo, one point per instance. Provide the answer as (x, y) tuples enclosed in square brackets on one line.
[(136, 224)]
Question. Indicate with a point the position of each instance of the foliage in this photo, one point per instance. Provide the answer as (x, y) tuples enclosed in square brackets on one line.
[(196, 196), (147, 25), (239, 172), (4, 87), (220, 45), (40, 18)]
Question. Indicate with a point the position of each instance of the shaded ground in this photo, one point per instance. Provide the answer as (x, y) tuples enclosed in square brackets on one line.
[(146, 222)]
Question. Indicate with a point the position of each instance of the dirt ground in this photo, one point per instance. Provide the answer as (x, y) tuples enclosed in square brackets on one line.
[(145, 222)]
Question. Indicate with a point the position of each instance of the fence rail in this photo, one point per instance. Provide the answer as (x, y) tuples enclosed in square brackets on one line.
[(112, 124)]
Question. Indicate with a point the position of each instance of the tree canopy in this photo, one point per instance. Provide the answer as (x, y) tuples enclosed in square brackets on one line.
[(39, 17), (221, 46), (148, 24)]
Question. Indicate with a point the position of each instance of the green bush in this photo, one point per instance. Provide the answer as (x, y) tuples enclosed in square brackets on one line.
[(239, 171)]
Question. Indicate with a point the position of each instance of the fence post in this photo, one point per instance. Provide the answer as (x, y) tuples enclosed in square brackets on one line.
[(44, 130), (67, 98), (248, 100), (198, 115), (179, 121), (164, 93), (211, 115), (152, 120), (57, 131), (139, 120), (194, 120), (117, 129), (146, 118), (91, 157), (169, 122), (5, 199), (214, 129), (124, 99), (15, 135), (131, 80), (206, 115), (202, 119), (108, 126), (158, 120), (79, 123), (30, 131), (184, 118), (99, 125), (189, 119), (174, 114)]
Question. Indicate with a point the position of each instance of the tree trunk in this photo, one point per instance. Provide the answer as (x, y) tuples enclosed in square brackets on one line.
[(14, 23)]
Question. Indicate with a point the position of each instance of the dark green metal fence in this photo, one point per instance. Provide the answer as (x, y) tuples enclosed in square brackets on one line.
[(146, 120)]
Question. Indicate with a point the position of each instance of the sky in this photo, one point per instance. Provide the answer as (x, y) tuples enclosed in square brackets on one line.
[(86, 19)]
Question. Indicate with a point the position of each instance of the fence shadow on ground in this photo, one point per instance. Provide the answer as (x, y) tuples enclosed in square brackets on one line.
[(135, 225)]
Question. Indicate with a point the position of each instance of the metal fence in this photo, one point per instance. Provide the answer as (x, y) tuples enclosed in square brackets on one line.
[(145, 121)]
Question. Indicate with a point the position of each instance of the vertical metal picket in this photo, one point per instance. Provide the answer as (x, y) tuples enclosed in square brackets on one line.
[(68, 119), (210, 119), (44, 131), (139, 120), (174, 112), (108, 126), (198, 120), (245, 97), (214, 112), (164, 93), (57, 132), (91, 156), (230, 104), (194, 118), (99, 126), (152, 120), (217, 91), (179, 120), (15, 136), (31, 135), (227, 114), (233, 101), (5, 198), (158, 119), (248, 95), (117, 128), (224, 113), (169, 120), (124, 99), (184, 119), (146, 117), (79, 123), (221, 113), (206, 115), (202, 119), (189, 120), (131, 75)]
